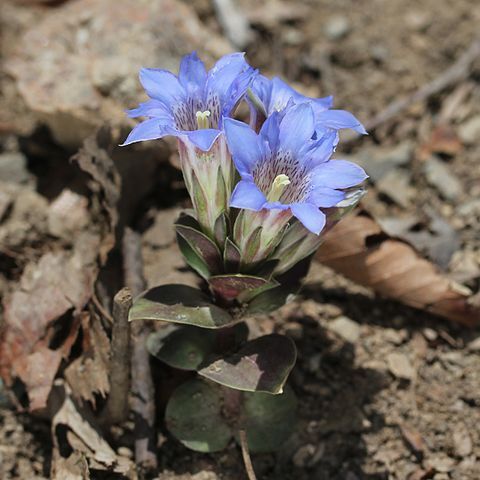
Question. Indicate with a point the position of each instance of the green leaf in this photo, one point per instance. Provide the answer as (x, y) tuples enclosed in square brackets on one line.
[(229, 287), (261, 365), (271, 300), (192, 258), (181, 347), (193, 415), (205, 248), (179, 304), (187, 347), (268, 419), (231, 256)]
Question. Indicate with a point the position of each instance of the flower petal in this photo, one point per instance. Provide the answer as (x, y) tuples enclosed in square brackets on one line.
[(270, 130), (147, 130), (247, 195), (162, 85), (310, 216), (337, 174), (296, 127), (192, 73), (151, 108), (244, 145), (338, 119), (223, 74), (326, 197), (237, 90), (204, 138)]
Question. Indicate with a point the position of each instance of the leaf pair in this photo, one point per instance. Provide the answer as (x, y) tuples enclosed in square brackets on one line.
[(196, 416), (259, 365)]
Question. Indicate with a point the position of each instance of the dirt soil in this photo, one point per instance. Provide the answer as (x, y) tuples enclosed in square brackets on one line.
[(385, 391)]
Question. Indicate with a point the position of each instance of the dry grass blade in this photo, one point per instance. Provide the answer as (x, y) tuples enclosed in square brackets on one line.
[(361, 251)]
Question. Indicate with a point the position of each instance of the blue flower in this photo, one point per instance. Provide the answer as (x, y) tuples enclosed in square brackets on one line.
[(191, 105), (275, 95), (284, 169)]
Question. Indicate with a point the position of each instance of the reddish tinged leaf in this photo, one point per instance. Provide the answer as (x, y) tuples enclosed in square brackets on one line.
[(229, 287), (203, 246), (360, 250), (443, 139), (261, 365)]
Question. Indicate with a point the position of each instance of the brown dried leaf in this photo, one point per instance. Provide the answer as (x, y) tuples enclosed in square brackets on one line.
[(94, 159), (74, 467), (443, 139), (88, 374), (76, 426), (360, 250), (47, 290)]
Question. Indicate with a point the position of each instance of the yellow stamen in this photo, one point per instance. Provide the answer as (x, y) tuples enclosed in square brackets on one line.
[(202, 119), (278, 187)]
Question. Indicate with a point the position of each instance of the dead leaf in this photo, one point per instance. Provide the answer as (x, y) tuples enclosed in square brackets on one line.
[(74, 429), (443, 139), (74, 467), (359, 249), (88, 374), (59, 282), (94, 159)]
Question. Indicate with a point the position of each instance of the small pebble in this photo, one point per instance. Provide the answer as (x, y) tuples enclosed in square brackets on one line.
[(400, 366), (337, 27), (345, 328)]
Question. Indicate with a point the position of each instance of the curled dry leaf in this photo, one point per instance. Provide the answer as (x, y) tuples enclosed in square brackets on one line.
[(94, 159), (74, 429), (88, 374), (360, 250)]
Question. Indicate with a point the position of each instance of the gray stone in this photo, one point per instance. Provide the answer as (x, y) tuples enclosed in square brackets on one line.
[(13, 167), (377, 162), (469, 131), (337, 27), (400, 366), (462, 442), (396, 185), (345, 328), (77, 67), (439, 175)]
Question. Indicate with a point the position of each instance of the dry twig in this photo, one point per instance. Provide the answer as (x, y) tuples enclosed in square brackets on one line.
[(246, 456), (454, 74), (143, 393), (117, 406)]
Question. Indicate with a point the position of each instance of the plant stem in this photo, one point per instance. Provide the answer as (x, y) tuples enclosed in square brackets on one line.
[(117, 406), (246, 455)]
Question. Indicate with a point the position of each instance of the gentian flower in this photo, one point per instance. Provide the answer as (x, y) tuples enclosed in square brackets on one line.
[(191, 107), (269, 96), (285, 171)]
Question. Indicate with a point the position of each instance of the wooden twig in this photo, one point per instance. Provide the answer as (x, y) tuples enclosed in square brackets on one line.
[(234, 22), (246, 455), (454, 74), (117, 405), (143, 392)]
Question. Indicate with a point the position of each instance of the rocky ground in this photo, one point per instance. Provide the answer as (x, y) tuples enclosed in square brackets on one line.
[(385, 391)]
